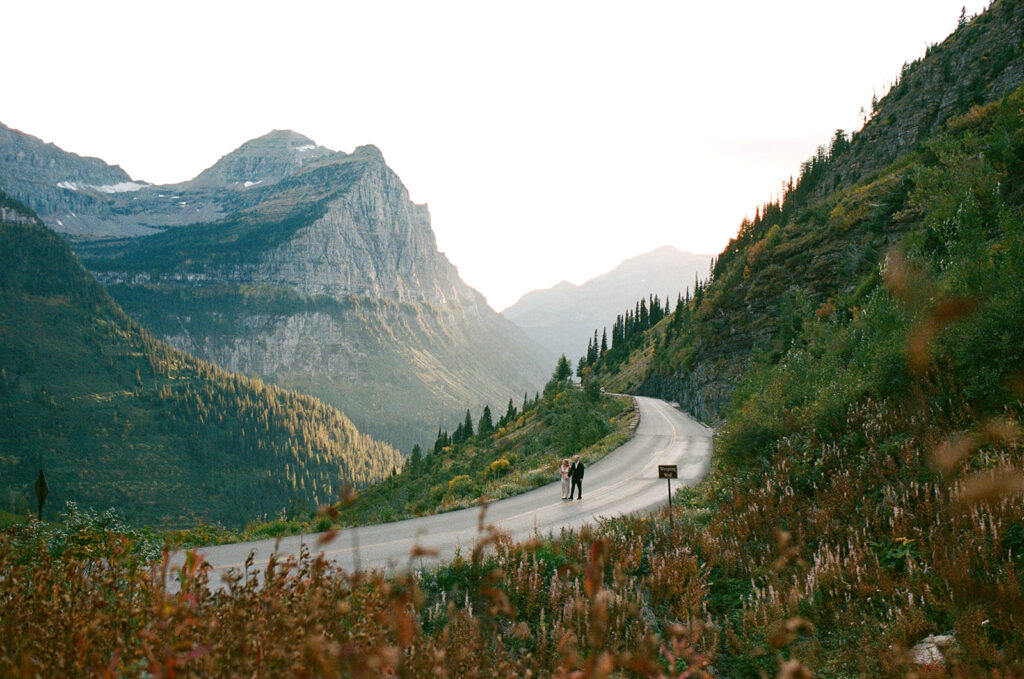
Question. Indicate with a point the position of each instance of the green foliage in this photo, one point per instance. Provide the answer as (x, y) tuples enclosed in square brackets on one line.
[(864, 468), (521, 453), (118, 419), (563, 371), (84, 534)]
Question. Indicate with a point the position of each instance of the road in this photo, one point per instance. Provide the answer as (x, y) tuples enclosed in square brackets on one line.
[(624, 481)]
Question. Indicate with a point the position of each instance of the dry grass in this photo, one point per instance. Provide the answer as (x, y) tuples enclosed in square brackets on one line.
[(507, 611)]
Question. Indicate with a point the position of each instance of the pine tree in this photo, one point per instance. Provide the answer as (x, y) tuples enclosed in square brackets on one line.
[(563, 370), (467, 426), (486, 425), (510, 414), (604, 341), (441, 441)]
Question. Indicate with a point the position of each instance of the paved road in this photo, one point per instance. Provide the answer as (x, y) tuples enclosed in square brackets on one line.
[(624, 481)]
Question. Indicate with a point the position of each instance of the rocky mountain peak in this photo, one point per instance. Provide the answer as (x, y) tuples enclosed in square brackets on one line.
[(25, 159), (262, 161), (367, 152)]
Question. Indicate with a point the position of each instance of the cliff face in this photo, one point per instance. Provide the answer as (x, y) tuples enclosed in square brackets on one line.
[(315, 271), (371, 241)]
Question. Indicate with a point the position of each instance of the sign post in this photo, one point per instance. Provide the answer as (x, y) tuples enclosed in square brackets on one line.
[(668, 472), (42, 490)]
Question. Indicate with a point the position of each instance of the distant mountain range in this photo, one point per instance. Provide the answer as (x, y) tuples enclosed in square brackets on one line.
[(562, 318), (286, 260), (117, 418)]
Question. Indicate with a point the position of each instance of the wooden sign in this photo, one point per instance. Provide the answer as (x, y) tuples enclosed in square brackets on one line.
[(667, 471)]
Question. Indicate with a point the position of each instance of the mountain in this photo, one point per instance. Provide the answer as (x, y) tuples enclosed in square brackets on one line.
[(563, 317), (860, 347), (795, 254), (264, 160), (117, 418), (312, 269)]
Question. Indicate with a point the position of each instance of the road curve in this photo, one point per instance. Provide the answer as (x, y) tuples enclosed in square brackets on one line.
[(624, 481)]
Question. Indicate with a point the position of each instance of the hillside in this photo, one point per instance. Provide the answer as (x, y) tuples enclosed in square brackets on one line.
[(832, 227), (117, 418), (494, 457), (862, 347), (311, 269), (560, 318)]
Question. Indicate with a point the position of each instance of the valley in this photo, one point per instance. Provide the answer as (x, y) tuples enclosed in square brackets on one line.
[(849, 374)]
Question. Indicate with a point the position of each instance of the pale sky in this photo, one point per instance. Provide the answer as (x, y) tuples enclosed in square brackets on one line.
[(551, 140)]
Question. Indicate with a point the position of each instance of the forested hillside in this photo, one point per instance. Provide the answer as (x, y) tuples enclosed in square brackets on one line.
[(117, 418), (862, 347), (833, 225), (494, 456)]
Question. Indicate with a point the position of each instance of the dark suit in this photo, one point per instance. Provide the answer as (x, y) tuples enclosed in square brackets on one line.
[(576, 476)]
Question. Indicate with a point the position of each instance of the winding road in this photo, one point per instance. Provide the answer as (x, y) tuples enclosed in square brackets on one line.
[(624, 481)]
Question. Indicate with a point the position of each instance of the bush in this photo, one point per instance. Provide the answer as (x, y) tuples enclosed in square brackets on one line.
[(499, 467)]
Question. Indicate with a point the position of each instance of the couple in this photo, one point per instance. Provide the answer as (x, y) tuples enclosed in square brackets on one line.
[(573, 473)]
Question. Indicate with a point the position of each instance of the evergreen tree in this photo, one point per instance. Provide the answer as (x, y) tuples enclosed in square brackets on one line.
[(442, 440), (467, 426), (486, 425), (563, 370), (415, 458), (604, 341), (510, 414), (580, 366)]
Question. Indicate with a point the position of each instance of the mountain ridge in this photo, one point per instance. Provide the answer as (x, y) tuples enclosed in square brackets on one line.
[(562, 317), (322, 276)]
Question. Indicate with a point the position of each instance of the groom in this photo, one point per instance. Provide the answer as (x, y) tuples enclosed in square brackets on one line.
[(576, 476)]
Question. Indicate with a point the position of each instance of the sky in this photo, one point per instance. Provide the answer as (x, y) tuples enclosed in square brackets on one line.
[(551, 140)]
